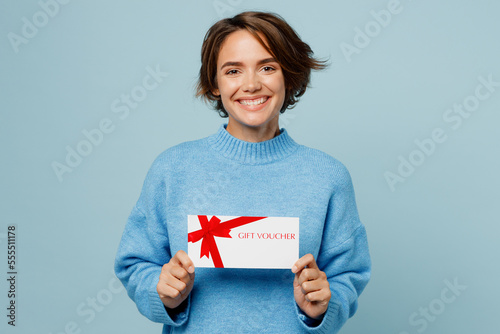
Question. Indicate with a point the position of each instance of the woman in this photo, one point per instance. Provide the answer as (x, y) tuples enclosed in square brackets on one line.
[(254, 67)]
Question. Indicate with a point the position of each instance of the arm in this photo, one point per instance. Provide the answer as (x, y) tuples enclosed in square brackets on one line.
[(343, 259), (144, 250)]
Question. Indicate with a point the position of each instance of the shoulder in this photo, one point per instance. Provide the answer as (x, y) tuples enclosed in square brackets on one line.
[(325, 165), (180, 154), (182, 150)]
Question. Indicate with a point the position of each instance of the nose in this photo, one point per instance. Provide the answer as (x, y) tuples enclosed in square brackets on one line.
[(251, 82)]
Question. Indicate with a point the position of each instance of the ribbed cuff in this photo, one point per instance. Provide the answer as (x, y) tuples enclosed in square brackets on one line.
[(326, 325), (176, 318)]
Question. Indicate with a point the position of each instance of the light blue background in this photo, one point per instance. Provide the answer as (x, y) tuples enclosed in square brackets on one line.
[(440, 224)]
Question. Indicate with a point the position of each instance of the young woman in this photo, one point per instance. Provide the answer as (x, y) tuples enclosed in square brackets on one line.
[(254, 67)]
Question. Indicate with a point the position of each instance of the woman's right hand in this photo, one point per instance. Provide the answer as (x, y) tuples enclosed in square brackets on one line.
[(176, 280)]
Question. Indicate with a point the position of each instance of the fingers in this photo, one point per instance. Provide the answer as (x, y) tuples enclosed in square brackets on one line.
[(309, 275), (310, 279), (320, 296), (166, 291), (180, 267), (184, 261), (173, 281), (305, 261), (306, 269), (311, 287), (176, 280), (316, 284)]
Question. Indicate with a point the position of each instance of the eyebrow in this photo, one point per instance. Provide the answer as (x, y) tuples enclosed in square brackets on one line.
[(237, 63)]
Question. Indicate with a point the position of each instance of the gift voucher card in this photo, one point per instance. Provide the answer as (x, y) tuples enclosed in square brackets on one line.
[(243, 241)]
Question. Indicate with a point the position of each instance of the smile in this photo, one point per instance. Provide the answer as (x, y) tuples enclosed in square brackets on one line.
[(254, 102)]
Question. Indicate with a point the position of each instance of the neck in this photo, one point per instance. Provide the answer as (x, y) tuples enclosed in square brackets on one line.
[(253, 134)]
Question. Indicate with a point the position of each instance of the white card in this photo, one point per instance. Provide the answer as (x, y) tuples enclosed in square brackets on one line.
[(243, 241)]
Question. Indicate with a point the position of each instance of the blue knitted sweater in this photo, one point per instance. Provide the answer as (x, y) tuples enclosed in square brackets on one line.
[(223, 175)]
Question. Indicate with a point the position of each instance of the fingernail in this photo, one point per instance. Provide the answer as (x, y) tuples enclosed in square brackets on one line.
[(191, 269), (294, 269)]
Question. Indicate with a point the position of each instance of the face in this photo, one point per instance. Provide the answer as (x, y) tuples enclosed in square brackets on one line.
[(251, 84)]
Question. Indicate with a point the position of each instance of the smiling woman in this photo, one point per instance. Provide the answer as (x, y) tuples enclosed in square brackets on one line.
[(253, 67), (251, 87), (250, 54)]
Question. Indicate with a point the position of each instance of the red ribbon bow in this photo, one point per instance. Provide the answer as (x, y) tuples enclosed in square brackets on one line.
[(214, 228)]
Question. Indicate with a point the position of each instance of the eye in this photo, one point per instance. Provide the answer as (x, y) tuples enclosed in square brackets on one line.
[(232, 72), (268, 68)]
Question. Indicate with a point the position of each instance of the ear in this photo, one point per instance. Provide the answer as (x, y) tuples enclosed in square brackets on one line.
[(216, 92)]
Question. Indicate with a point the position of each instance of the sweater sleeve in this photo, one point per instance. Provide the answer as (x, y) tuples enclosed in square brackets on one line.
[(343, 256), (144, 249)]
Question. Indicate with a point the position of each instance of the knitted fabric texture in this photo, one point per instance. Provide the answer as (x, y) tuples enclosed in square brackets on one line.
[(223, 175)]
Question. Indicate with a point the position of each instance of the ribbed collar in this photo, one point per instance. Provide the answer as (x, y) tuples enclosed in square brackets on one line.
[(274, 149)]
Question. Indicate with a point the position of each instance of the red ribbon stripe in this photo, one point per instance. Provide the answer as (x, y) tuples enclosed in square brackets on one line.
[(214, 228)]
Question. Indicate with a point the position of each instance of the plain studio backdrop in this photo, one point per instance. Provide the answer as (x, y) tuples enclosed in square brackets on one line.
[(91, 92)]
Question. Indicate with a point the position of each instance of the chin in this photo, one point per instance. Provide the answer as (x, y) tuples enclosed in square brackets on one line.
[(253, 123)]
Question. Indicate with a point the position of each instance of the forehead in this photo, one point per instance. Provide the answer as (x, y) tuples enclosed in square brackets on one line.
[(241, 45)]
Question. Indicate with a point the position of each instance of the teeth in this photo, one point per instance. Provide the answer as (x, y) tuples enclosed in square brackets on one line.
[(253, 102)]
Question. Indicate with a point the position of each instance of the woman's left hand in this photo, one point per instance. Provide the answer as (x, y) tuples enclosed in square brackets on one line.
[(310, 287)]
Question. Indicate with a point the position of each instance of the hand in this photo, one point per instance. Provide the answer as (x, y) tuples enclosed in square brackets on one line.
[(176, 280), (310, 287)]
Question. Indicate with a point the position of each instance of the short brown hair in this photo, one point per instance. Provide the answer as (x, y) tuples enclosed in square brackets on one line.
[(294, 56)]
